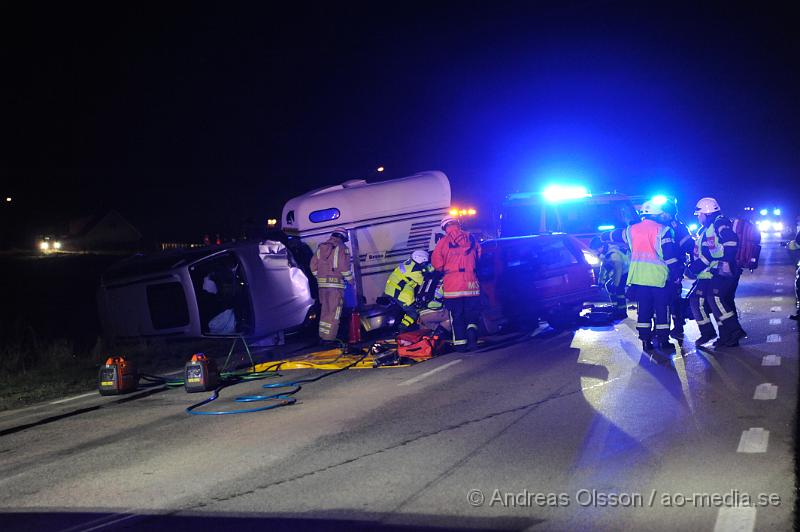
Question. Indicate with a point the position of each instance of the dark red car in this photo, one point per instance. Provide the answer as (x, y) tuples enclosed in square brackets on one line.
[(526, 278)]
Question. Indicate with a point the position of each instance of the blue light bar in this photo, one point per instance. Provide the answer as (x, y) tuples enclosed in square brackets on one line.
[(659, 199), (606, 227), (763, 212), (556, 193), (776, 212)]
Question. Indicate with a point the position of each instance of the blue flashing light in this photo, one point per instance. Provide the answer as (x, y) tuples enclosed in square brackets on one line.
[(659, 199), (776, 212), (556, 193), (606, 227), (692, 227), (763, 212)]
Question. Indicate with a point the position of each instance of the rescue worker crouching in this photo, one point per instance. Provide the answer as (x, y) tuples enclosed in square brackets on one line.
[(613, 255), (653, 264), (714, 266), (404, 283), (684, 247), (456, 255), (331, 266)]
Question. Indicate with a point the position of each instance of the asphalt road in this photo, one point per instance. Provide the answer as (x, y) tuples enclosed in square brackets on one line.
[(565, 431)]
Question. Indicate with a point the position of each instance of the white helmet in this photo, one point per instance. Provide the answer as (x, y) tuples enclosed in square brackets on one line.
[(650, 208), (420, 256), (448, 220), (341, 232), (706, 206)]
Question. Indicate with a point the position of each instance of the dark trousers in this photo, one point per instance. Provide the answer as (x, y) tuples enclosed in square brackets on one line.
[(653, 302), (797, 288), (716, 294), (676, 305), (464, 315)]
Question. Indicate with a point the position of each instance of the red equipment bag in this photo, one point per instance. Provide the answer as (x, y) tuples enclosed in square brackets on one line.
[(749, 243), (419, 345)]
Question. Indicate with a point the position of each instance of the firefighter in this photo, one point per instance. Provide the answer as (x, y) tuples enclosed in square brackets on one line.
[(714, 266), (614, 271), (404, 283), (794, 245), (456, 255), (653, 264), (684, 246), (331, 266)]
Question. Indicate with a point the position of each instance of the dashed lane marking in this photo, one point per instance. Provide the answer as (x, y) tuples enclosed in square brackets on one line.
[(775, 309), (778, 298), (754, 440), (775, 321), (429, 373), (779, 290), (766, 392), (771, 360), (735, 519), (773, 338), (73, 398)]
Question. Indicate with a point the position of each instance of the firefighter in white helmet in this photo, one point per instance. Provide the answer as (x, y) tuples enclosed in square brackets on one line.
[(404, 283), (456, 256), (331, 266), (717, 273)]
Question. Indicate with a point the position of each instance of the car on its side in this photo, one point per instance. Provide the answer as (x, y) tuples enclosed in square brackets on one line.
[(524, 279)]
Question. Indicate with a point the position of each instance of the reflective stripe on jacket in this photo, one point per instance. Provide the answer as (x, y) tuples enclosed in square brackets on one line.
[(403, 281), (648, 266), (331, 265), (457, 256)]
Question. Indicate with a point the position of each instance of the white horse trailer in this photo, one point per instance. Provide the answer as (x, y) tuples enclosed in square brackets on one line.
[(386, 221)]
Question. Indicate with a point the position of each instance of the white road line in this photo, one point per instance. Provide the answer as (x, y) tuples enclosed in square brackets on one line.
[(775, 309), (777, 298), (429, 373), (771, 360), (775, 321), (773, 338), (779, 290), (73, 398), (754, 440), (766, 392), (778, 284), (735, 519)]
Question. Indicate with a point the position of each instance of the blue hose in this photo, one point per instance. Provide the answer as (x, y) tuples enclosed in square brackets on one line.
[(285, 398)]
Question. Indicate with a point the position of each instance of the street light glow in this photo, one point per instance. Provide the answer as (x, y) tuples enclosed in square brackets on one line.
[(380, 169), (8, 199)]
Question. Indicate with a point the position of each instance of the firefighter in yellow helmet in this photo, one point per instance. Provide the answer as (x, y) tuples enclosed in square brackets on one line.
[(331, 266), (404, 283)]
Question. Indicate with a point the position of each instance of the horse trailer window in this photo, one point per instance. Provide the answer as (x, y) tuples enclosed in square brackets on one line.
[(167, 303), (325, 215)]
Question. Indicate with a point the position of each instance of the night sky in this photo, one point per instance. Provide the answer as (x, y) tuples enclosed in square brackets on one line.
[(189, 118)]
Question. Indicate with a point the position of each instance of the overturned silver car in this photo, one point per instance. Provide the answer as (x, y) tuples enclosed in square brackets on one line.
[(243, 289)]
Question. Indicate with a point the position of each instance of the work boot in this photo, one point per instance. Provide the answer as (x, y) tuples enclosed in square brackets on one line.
[(733, 339), (619, 314), (647, 346), (677, 332), (663, 345), (472, 339), (794, 316), (704, 339)]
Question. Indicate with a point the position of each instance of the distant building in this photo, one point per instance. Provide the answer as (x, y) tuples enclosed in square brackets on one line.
[(108, 231)]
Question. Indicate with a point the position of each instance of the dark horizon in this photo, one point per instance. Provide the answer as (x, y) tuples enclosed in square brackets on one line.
[(187, 118)]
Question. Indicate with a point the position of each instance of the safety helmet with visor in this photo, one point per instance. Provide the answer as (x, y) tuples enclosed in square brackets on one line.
[(706, 206), (340, 232)]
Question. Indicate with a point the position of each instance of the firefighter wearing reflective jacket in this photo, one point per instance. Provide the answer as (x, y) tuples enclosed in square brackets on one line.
[(653, 264), (684, 246), (404, 283), (456, 255), (714, 266), (331, 266), (794, 245)]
